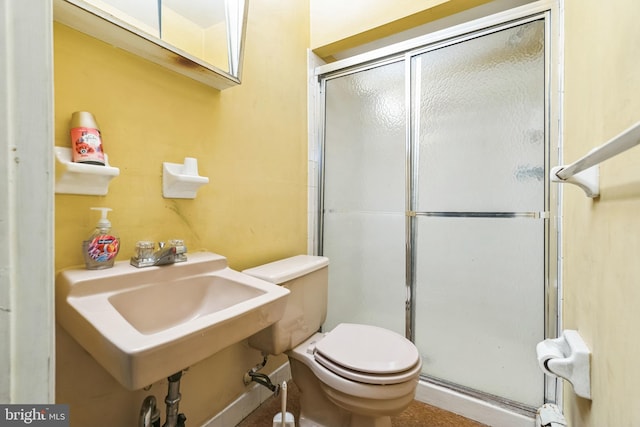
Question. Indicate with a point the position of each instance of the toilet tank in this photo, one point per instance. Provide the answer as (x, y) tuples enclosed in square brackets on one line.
[(306, 277)]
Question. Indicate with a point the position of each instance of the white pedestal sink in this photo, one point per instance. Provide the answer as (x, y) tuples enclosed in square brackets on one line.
[(144, 324)]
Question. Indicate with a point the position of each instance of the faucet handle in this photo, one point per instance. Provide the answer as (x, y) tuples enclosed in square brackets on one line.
[(180, 249), (144, 249), (144, 254)]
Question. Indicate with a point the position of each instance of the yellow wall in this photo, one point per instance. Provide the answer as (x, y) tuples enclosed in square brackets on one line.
[(602, 236), (208, 44), (337, 25), (249, 140)]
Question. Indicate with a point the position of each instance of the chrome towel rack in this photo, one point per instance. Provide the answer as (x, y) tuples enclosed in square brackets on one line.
[(585, 172)]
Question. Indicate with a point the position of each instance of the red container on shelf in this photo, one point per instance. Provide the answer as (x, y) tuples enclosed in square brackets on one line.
[(86, 141)]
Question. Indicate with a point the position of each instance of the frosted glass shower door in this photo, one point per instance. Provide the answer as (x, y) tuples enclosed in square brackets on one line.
[(364, 197), (479, 202)]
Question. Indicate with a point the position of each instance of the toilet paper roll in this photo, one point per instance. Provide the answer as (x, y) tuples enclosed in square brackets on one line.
[(547, 350)]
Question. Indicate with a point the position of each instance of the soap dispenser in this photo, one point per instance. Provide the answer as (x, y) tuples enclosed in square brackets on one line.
[(102, 246)]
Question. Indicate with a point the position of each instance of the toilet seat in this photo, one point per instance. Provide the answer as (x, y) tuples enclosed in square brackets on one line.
[(365, 378), (368, 354)]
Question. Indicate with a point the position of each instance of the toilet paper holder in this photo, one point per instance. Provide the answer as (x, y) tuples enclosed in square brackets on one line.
[(567, 357)]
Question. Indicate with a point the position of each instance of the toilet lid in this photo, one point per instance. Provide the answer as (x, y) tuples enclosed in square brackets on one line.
[(367, 353)]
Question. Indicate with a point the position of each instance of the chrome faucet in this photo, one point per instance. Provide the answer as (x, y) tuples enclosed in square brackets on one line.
[(145, 256)]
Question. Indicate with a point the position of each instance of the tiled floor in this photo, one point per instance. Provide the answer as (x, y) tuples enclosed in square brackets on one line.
[(416, 415)]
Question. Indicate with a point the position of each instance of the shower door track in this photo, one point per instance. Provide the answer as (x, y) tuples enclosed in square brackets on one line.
[(507, 404)]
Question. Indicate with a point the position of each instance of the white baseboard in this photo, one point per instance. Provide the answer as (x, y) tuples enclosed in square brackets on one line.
[(470, 407), (431, 394), (244, 405)]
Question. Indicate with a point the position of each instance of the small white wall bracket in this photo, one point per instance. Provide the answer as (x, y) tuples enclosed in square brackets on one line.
[(567, 357), (588, 174), (588, 180), (181, 181), (82, 178)]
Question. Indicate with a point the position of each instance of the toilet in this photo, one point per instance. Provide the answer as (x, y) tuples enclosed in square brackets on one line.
[(352, 376)]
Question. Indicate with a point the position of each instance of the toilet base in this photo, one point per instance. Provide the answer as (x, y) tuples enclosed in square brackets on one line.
[(317, 409)]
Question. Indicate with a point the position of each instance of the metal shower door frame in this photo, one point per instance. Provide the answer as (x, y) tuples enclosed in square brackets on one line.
[(551, 12)]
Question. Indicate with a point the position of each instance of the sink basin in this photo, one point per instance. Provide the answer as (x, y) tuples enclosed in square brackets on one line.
[(144, 324)]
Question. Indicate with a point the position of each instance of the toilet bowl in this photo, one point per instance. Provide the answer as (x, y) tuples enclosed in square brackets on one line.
[(369, 372), (352, 376)]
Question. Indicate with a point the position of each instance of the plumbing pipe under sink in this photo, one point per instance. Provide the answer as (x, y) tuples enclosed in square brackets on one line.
[(149, 413)]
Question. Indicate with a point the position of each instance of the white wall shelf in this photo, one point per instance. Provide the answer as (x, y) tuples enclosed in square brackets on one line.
[(82, 178), (181, 181)]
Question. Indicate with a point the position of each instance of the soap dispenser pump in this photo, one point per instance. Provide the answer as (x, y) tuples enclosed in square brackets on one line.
[(102, 246)]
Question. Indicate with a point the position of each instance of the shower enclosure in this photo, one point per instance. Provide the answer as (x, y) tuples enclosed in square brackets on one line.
[(436, 204)]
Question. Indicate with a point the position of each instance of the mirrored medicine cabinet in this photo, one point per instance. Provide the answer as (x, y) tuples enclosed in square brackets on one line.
[(202, 39)]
